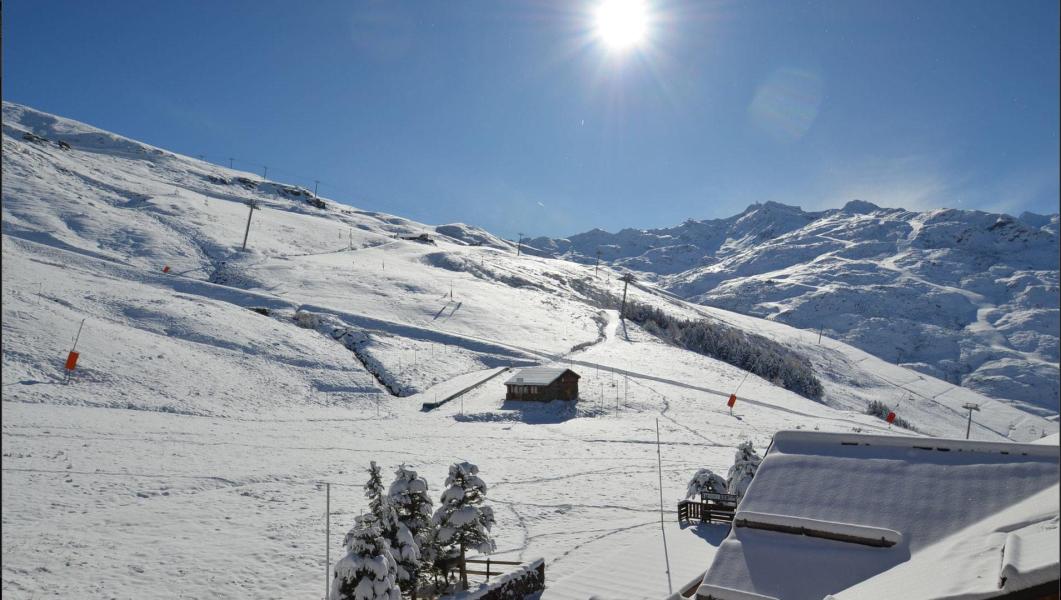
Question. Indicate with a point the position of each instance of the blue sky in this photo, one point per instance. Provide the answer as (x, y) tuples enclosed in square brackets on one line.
[(513, 116)]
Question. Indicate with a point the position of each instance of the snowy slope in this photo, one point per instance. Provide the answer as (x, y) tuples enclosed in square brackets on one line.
[(185, 454), (966, 296)]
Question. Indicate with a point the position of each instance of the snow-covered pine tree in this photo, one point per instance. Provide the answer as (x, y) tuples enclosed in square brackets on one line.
[(402, 545), (745, 464), (377, 498), (413, 507), (705, 480), (368, 571), (463, 522)]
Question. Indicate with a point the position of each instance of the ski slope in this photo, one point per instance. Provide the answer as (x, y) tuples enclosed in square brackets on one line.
[(186, 455)]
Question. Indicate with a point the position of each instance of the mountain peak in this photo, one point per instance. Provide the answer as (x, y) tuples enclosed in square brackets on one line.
[(860, 207), (771, 205)]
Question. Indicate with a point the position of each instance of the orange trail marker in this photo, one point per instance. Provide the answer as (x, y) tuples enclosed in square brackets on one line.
[(165, 269), (71, 359), (732, 400)]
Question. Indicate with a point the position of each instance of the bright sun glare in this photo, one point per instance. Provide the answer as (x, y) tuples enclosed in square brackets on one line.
[(621, 24)]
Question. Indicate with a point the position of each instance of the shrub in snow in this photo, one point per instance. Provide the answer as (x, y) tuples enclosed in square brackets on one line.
[(307, 320), (745, 464), (705, 481), (402, 545), (412, 506), (880, 410), (463, 522), (368, 571)]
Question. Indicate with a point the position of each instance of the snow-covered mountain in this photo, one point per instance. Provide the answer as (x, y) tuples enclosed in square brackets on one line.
[(966, 296), (217, 388)]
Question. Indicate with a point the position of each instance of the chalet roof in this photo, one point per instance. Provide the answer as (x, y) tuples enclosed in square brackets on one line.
[(536, 376), (924, 499)]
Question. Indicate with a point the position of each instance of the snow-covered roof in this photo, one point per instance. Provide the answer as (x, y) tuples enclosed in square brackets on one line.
[(1052, 439), (867, 516), (536, 376)]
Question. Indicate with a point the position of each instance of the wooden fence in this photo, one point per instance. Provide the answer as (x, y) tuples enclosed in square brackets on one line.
[(515, 584), (712, 507), (488, 562)]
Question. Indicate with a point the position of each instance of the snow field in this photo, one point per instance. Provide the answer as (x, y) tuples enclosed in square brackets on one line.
[(186, 455)]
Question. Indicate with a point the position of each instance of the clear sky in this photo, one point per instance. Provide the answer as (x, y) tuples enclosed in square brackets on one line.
[(518, 117)]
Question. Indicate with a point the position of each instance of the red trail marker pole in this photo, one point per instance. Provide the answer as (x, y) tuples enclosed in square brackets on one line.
[(71, 358)]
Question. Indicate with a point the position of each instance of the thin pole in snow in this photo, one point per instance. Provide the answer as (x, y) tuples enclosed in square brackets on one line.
[(327, 538), (970, 406), (663, 530), (315, 182), (247, 231), (626, 279), (78, 336), (746, 374), (230, 162), (265, 171), (40, 288), (820, 327)]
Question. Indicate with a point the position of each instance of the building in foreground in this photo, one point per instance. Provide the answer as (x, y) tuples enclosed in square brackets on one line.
[(846, 517), (543, 384)]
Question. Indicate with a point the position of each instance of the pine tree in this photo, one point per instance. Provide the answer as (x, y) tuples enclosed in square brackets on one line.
[(402, 544), (412, 505), (745, 464), (377, 499), (462, 520), (368, 571), (706, 481)]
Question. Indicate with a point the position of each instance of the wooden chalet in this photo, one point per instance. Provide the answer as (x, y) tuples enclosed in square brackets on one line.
[(543, 384)]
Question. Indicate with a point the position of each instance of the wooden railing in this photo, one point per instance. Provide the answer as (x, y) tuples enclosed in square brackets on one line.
[(526, 580), (711, 508), (488, 562)]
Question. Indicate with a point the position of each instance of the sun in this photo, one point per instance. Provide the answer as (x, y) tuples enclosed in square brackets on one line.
[(621, 24)]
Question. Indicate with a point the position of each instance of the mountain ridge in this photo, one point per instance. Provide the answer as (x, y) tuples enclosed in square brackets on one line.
[(965, 295)]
